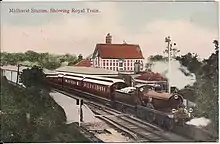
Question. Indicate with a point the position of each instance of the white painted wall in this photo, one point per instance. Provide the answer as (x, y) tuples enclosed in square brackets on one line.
[(108, 61)]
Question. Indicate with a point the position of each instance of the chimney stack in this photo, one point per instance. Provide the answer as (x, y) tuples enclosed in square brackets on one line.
[(108, 39)]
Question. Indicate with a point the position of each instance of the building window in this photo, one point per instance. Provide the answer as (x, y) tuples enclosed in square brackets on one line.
[(120, 64), (110, 68), (103, 62), (113, 63), (114, 68)]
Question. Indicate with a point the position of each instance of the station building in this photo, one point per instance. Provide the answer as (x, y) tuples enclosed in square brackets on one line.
[(117, 57)]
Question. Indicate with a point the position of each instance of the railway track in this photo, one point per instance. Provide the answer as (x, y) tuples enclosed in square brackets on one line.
[(135, 128), (139, 130), (138, 133)]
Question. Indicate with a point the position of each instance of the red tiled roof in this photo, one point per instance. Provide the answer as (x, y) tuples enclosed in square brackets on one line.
[(119, 51), (151, 76), (84, 63)]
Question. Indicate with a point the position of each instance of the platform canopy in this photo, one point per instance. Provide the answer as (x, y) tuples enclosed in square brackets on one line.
[(87, 70)]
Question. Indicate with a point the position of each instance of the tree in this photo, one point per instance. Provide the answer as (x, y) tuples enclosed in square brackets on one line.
[(33, 77), (75, 61), (190, 60), (80, 57), (31, 56), (207, 89), (155, 58), (216, 43)]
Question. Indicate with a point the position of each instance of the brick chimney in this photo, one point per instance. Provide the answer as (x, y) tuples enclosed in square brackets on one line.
[(108, 39)]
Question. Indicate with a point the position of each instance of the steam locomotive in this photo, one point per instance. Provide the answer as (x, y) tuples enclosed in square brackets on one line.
[(149, 103)]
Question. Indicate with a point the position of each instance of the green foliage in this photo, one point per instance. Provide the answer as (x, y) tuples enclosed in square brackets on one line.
[(44, 60), (190, 61), (75, 61), (155, 58), (31, 115), (33, 77), (208, 89), (205, 91)]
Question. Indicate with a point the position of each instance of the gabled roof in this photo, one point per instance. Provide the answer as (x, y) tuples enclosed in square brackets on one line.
[(124, 51), (84, 63)]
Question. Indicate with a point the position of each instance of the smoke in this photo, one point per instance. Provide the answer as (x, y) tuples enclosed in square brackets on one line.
[(179, 75), (199, 122)]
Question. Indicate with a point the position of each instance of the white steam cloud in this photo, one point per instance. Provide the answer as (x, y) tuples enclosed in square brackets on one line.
[(179, 75), (199, 122)]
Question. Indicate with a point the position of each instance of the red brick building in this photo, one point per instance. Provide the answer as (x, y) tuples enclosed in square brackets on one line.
[(117, 57)]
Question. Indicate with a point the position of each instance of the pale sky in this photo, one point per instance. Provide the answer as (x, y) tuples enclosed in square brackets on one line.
[(192, 25)]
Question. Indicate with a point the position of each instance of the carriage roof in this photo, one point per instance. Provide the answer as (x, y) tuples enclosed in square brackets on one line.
[(82, 76), (86, 70), (90, 78)]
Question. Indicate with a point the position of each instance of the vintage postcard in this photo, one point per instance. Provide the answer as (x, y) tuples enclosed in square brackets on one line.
[(109, 71)]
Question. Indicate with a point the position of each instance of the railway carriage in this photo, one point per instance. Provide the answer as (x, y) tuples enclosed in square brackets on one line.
[(54, 79), (72, 81), (149, 103)]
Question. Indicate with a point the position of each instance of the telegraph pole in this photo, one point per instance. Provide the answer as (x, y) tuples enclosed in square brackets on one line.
[(168, 41)]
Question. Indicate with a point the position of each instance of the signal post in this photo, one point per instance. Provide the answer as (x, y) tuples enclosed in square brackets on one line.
[(79, 102)]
